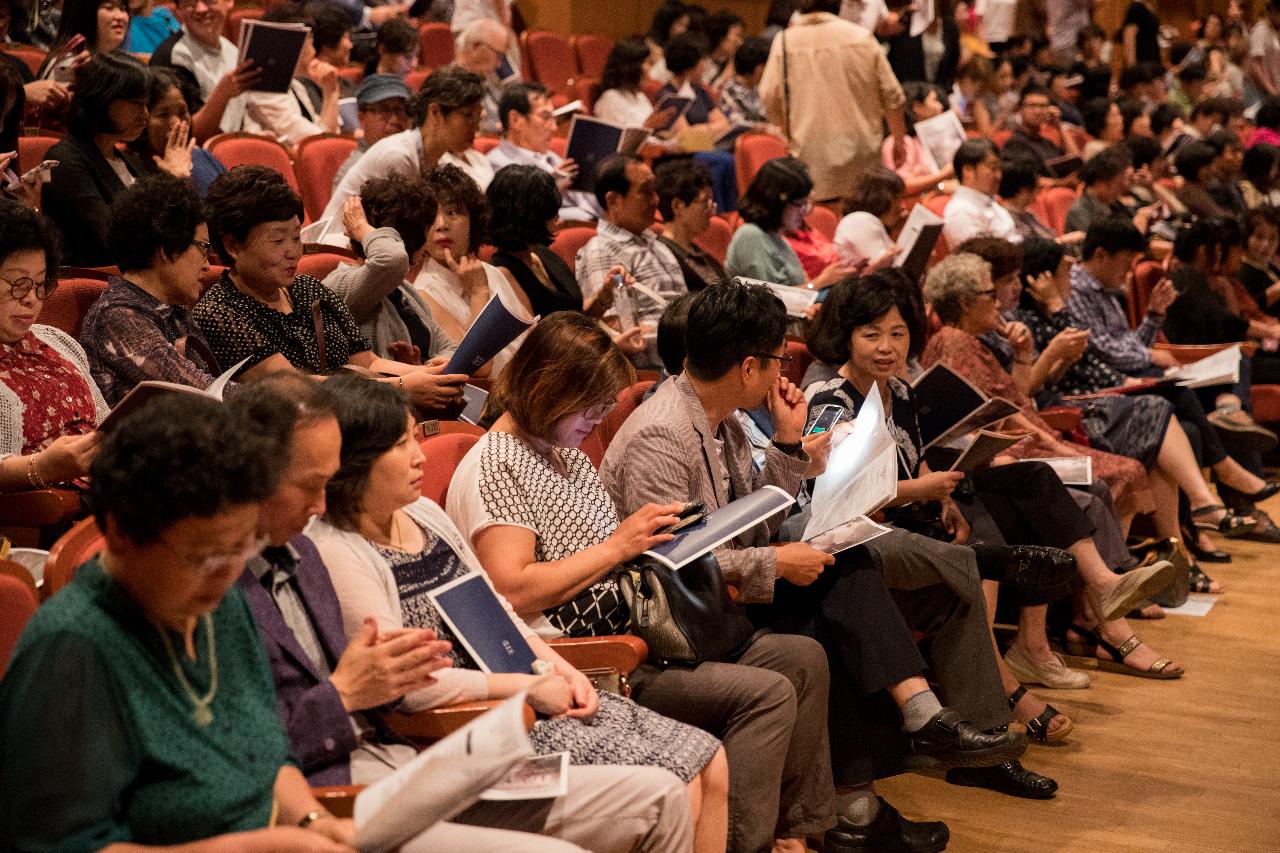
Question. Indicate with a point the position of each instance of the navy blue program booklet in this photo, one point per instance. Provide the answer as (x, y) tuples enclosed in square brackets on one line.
[(482, 625)]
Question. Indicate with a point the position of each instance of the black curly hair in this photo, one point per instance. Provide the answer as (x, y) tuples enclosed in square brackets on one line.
[(453, 187), (372, 418), (854, 302), (159, 213), (22, 229), (247, 196), (522, 200), (142, 479)]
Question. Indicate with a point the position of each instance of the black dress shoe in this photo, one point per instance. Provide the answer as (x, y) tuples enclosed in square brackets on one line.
[(952, 741), (889, 832), (1009, 778), (1244, 501)]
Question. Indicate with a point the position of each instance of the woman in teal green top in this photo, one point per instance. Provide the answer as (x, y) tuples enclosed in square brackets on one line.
[(777, 201), (139, 708)]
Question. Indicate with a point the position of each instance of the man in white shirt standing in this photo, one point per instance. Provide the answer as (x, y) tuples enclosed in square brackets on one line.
[(452, 106), (973, 211), (1264, 51), (205, 63), (528, 123)]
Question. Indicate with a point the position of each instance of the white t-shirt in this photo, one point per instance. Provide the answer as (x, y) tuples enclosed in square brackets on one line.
[(628, 109), (997, 19), (974, 214), (444, 288), (861, 236), (1265, 44)]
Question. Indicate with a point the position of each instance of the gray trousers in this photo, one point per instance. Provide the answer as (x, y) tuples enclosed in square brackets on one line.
[(937, 587), (770, 711), (606, 810)]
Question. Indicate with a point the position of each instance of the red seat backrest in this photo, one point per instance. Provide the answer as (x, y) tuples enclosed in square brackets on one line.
[(593, 52), (715, 240), (800, 361), (598, 441), (753, 150), (243, 149), (320, 264), (435, 45), (32, 149), (33, 57), (1146, 276), (443, 453), (570, 240), (232, 28), (823, 220), (319, 158), (415, 79), (551, 59), (17, 605), (485, 144), (1055, 202), (65, 308), (559, 145), (72, 549)]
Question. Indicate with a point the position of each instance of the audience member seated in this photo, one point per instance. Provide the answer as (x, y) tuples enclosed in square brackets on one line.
[(386, 547), (207, 65), (672, 18), (331, 697), (260, 310), (1226, 171), (140, 328), (102, 26), (149, 25), (396, 48), (1107, 178), (682, 443), (686, 205), (775, 204), (167, 144), (292, 116), (172, 688), (974, 211), (1152, 181), (447, 115), (625, 190), (108, 107), (528, 123), (331, 38), (552, 544), (619, 97), (740, 96), (1103, 123), (49, 442), (918, 171), (1019, 183), (1212, 306), (388, 224), (481, 48), (1260, 176), (1194, 162), (523, 202), (1258, 272), (872, 211), (724, 32), (454, 283), (382, 107), (1037, 114)]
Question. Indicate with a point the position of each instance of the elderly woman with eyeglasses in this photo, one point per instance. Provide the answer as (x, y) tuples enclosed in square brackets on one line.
[(49, 405), (141, 328)]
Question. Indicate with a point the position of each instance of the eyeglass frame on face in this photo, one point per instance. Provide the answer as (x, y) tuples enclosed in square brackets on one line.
[(599, 411), (204, 246), (211, 564), (783, 360), (991, 292), (18, 291)]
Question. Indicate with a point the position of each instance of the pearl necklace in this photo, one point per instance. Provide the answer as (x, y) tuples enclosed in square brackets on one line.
[(200, 704)]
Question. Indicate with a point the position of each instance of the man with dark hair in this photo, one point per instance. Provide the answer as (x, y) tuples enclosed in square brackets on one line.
[(1019, 182), (1226, 172), (625, 190), (1107, 177), (684, 442), (1190, 86), (1194, 162), (450, 104), (686, 205), (332, 694), (1037, 112), (528, 123), (740, 98), (973, 211)]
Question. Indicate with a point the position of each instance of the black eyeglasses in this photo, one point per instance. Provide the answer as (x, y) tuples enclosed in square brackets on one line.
[(783, 360), (204, 246), (19, 289)]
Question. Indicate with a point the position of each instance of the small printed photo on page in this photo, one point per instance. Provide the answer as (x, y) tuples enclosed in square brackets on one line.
[(538, 777)]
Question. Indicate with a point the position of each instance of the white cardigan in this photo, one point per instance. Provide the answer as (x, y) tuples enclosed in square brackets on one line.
[(12, 408), (366, 587)]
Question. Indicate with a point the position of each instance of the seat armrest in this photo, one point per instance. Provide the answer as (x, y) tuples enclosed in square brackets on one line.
[(1187, 353), (426, 727), (622, 652), (38, 507), (340, 800), (1062, 418)]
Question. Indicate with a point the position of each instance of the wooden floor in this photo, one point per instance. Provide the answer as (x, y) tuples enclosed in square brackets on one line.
[(1187, 765)]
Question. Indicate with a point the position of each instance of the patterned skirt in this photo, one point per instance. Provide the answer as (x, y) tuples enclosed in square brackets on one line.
[(625, 733), (1131, 426)]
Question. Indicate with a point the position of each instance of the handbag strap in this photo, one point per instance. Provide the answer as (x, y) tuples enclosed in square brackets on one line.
[(317, 320)]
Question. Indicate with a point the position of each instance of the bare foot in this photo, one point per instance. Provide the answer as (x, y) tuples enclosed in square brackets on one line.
[(1143, 657)]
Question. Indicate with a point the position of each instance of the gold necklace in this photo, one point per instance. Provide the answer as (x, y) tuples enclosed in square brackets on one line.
[(200, 713)]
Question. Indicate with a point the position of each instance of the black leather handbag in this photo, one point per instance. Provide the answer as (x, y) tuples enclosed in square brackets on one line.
[(685, 615)]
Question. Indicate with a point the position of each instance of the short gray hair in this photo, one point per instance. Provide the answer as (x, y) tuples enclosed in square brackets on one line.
[(953, 282), (478, 32)]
